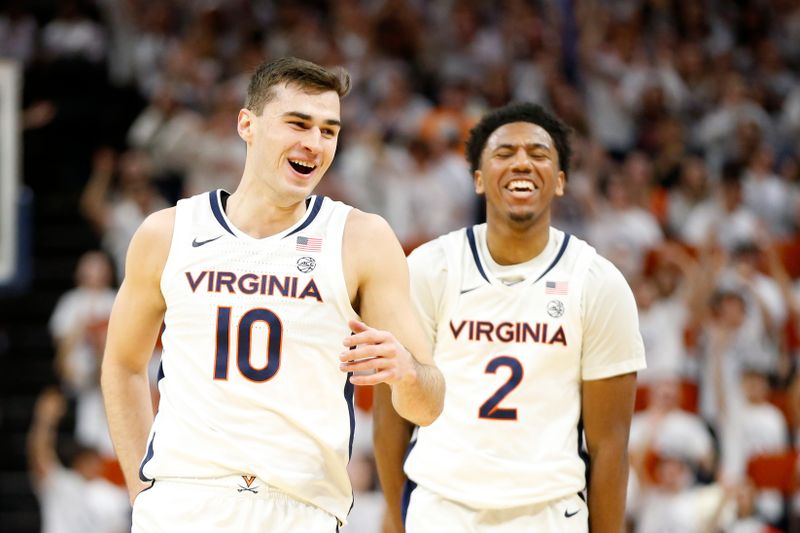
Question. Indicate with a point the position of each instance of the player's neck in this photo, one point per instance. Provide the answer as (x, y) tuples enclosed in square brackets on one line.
[(510, 245), (255, 210)]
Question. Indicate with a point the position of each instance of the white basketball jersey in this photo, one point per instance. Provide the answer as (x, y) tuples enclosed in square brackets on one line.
[(253, 329), (510, 431)]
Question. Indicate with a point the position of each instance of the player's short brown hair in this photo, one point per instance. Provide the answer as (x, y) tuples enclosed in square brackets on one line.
[(300, 73)]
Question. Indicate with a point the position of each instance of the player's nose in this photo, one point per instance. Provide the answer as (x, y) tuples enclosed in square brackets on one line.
[(312, 140), (521, 162)]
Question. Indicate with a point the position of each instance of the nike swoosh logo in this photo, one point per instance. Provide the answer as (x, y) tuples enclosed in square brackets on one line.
[(196, 243), (567, 514), (465, 291)]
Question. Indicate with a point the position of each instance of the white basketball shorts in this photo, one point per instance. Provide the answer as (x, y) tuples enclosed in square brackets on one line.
[(229, 504), (429, 513)]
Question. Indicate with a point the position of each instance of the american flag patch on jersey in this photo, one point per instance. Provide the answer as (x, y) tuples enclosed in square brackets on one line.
[(308, 244), (555, 287)]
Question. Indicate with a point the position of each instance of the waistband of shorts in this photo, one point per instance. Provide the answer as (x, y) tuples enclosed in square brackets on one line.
[(242, 484)]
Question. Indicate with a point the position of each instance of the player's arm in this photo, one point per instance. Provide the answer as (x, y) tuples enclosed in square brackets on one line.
[(391, 435), (136, 319), (43, 434), (391, 432), (607, 412), (393, 349), (613, 352)]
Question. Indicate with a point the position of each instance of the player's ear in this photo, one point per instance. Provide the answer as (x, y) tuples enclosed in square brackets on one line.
[(244, 125), (561, 181), (477, 178)]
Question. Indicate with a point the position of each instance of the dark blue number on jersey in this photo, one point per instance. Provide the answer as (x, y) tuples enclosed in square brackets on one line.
[(243, 344), (490, 408)]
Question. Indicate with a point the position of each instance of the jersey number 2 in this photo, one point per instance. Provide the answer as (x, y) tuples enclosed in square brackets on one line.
[(245, 331), (490, 408)]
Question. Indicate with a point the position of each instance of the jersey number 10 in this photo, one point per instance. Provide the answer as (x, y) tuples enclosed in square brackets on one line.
[(243, 342)]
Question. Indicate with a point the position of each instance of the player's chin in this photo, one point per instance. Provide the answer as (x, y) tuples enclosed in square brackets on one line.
[(523, 216)]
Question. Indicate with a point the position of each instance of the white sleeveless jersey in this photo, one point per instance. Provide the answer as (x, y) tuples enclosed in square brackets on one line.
[(510, 432), (250, 381)]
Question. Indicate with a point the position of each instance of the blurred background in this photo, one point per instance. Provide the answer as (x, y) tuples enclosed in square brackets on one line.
[(686, 118)]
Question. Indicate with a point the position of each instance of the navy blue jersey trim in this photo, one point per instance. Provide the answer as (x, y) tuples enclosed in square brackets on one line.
[(314, 212), (408, 487), (146, 460), (583, 455), (349, 392), (213, 197), (558, 256), (474, 248)]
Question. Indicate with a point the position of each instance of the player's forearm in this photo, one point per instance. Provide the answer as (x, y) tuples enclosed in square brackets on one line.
[(130, 415), (607, 490), (420, 400), (391, 435)]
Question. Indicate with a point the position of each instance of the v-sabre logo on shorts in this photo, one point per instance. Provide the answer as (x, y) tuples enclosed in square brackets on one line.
[(249, 482)]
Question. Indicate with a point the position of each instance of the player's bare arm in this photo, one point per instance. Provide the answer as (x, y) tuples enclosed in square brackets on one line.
[(135, 321), (607, 412), (393, 348), (391, 435)]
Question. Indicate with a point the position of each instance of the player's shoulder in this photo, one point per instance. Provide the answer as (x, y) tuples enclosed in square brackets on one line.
[(601, 268), (364, 227), (436, 250), (158, 225), (605, 280), (574, 244), (150, 245), (154, 235)]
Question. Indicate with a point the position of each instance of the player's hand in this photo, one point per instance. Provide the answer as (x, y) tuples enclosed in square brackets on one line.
[(377, 353)]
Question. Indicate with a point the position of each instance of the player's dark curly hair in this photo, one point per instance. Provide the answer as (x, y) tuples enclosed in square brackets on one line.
[(519, 112)]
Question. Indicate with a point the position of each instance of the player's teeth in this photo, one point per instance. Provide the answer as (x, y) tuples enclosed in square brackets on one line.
[(521, 184), (303, 163)]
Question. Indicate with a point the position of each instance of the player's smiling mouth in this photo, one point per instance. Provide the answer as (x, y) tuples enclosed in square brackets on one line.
[(302, 167), (521, 185)]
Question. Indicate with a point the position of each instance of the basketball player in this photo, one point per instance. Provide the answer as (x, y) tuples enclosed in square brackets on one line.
[(537, 337), (259, 291)]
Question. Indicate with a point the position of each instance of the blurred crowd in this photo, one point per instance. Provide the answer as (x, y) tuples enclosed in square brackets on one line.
[(686, 118)]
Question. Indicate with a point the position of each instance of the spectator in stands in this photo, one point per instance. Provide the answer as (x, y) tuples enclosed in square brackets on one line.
[(661, 323), (722, 220), (73, 497), (623, 231), (691, 190), (78, 325), (18, 32), (767, 195), (116, 212)]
